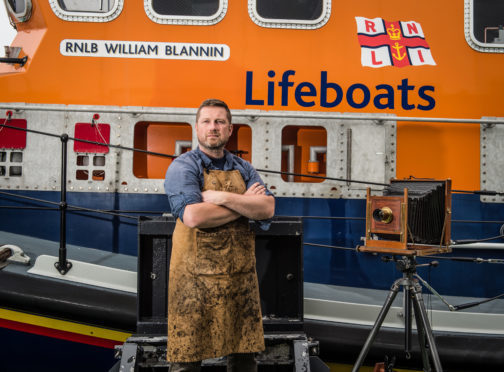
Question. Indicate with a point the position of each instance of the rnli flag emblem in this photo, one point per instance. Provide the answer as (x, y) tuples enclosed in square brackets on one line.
[(396, 44)]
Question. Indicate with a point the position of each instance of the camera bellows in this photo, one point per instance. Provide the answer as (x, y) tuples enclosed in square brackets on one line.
[(426, 209)]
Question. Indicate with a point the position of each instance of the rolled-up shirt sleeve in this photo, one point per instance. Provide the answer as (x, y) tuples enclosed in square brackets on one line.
[(182, 186)]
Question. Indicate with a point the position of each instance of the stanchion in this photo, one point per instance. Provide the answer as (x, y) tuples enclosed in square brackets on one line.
[(63, 265)]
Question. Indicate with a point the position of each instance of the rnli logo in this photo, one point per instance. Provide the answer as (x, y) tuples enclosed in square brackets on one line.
[(396, 44)]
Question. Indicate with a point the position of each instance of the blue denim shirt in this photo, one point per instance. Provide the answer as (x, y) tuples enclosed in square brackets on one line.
[(184, 179)]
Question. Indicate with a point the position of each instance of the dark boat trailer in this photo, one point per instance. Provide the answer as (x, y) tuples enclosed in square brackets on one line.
[(279, 254)]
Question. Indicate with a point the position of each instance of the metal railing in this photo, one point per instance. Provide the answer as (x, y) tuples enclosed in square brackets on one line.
[(63, 265)]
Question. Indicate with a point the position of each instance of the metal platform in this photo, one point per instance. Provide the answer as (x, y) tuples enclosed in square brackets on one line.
[(284, 352)]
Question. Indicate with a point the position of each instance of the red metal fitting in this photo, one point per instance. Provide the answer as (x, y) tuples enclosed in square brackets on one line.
[(95, 118)]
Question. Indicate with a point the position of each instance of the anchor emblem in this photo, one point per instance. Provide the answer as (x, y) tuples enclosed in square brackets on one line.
[(398, 48)]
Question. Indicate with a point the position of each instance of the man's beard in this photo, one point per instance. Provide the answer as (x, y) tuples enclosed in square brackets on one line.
[(215, 146)]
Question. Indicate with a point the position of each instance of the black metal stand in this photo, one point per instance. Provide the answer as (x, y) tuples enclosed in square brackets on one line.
[(292, 350), (412, 296)]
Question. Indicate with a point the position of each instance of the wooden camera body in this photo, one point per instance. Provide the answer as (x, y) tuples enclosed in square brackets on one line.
[(414, 223)]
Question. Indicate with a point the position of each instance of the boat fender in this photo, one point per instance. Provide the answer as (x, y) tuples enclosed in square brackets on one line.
[(4, 254), (17, 254)]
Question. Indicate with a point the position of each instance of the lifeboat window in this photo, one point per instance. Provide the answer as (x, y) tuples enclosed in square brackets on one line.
[(3, 159), (87, 10), (82, 160), (484, 25), (240, 142), (20, 9), (159, 137), (190, 12), (12, 161), (15, 171), (12, 142), (16, 157), (199, 8), (290, 13), (98, 175), (84, 168), (17, 6), (304, 152), (99, 161), (89, 155), (82, 174), (95, 6)]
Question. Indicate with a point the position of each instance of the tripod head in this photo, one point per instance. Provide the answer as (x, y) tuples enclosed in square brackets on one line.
[(407, 264)]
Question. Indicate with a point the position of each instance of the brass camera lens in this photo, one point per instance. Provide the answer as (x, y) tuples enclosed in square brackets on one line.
[(383, 215)]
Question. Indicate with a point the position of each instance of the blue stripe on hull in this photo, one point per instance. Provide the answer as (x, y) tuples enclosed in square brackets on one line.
[(322, 265)]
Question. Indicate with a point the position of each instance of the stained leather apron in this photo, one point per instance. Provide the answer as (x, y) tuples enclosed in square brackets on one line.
[(213, 296)]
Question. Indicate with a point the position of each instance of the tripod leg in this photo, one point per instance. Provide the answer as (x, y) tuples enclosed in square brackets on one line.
[(376, 327), (426, 326), (421, 339), (407, 320)]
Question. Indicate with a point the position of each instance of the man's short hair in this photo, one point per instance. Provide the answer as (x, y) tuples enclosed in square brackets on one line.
[(212, 102)]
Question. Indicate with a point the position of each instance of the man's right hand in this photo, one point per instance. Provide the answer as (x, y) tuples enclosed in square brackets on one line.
[(256, 189)]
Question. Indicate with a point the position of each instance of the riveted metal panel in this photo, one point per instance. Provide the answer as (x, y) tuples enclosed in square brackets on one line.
[(492, 160), (357, 148), (40, 169), (362, 150)]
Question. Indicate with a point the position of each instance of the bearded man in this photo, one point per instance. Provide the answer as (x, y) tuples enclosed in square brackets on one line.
[(213, 296)]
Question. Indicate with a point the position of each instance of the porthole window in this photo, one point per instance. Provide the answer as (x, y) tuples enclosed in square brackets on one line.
[(186, 12), (304, 151), (484, 25), (19, 9), (87, 10), (300, 14)]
